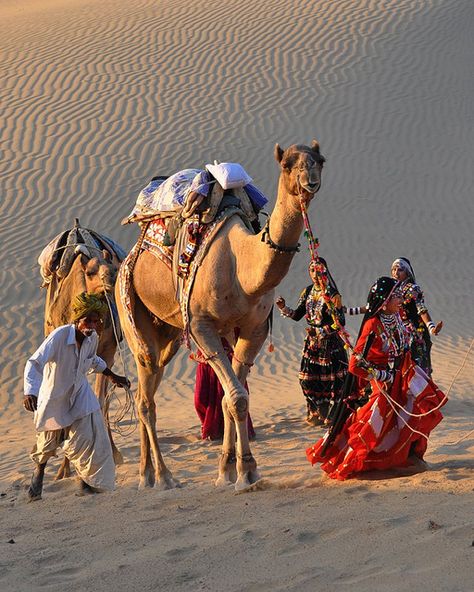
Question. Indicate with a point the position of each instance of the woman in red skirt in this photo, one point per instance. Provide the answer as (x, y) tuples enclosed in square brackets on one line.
[(392, 428)]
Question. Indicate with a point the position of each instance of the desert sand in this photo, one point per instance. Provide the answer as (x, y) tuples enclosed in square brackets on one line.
[(98, 97)]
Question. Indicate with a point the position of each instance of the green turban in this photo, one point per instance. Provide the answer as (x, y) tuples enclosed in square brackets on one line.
[(84, 304)]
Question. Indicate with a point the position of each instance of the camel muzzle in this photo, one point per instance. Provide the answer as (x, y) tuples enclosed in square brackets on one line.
[(311, 187)]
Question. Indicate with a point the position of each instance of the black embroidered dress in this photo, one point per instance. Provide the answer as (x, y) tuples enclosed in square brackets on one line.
[(324, 360)]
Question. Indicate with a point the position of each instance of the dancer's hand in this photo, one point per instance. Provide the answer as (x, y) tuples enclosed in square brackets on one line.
[(30, 402), (438, 328), (381, 375), (280, 302), (361, 363)]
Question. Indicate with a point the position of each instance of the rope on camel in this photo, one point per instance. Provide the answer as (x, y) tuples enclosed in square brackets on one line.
[(382, 390), (313, 249), (449, 389), (394, 403), (126, 409)]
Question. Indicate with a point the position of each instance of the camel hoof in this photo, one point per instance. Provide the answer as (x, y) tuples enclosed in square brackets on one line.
[(227, 471), (146, 482), (166, 482), (247, 481), (223, 481)]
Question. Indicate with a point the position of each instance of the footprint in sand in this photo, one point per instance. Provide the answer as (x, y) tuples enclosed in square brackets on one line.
[(180, 552)]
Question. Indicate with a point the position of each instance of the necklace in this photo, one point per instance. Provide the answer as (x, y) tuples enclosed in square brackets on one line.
[(314, 306), (395, 332)]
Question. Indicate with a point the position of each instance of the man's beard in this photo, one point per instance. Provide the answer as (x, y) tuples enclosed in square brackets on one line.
[(88, 332)]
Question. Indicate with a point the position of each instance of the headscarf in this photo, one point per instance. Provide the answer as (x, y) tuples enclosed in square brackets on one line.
[(84, 304), (322, 269), (379, 293), (405, 264)]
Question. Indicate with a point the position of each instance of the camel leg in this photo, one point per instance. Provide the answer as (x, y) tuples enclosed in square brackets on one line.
[(146, 471), (246, 349), (247, 472), (227, 473), (159, 344), (148, 382), (235, 407), (64, 470)]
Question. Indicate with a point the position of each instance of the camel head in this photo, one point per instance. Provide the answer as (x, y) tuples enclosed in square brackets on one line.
[(301, 168), (100, 272)]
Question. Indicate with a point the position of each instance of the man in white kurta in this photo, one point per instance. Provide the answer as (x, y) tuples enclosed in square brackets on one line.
[(67, 412)]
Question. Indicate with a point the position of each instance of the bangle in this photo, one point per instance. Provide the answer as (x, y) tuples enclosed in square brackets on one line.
[(354, 310), (285, 311), (381, 375), (431, 327)]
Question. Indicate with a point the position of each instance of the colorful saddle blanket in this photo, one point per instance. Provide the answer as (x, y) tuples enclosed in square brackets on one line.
[(156, 241), (166, 196)]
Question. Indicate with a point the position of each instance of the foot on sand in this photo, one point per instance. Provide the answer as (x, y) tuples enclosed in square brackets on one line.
[(418, 464), (36, 486), (85, 489), (314, 420)]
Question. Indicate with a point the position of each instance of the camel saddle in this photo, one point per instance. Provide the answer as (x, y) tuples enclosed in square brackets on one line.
[(59, 255), (174, 215)]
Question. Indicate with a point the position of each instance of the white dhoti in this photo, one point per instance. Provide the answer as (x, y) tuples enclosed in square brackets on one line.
[(87, 446)]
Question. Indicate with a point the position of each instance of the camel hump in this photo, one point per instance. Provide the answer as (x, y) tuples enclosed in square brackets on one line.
[(59, 254)]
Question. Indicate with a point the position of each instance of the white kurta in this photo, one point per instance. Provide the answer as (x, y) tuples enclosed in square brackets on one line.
[(56, 374)]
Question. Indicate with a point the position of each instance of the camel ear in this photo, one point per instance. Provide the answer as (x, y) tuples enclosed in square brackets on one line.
[(107, 255), (315, 146), (278, 153)]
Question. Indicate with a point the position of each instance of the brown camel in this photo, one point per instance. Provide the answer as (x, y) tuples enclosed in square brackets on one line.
[(95, 275), (233, 287)]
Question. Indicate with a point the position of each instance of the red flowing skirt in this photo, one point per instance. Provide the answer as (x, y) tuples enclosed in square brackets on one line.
[(375, 437)]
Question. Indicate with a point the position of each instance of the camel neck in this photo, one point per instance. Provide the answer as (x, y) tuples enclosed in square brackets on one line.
[(270, 265)]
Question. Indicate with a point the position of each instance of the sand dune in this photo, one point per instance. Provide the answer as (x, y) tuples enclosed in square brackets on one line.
[(97, 98)]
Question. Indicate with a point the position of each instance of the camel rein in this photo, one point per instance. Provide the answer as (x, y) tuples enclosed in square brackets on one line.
[(127, 409), (313, 244)]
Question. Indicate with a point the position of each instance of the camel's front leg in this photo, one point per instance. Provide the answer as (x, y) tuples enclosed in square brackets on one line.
[(235, 408), (246, 349), (227, 463)]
